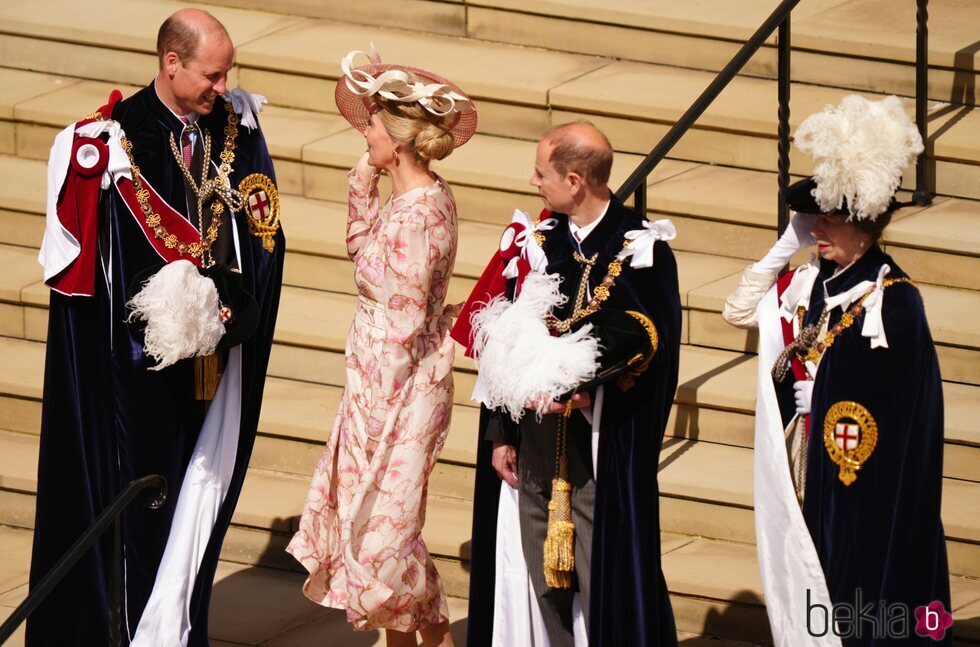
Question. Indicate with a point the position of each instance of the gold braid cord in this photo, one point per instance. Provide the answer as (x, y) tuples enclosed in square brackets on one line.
[(559, 544), (808, 347), (599, 295)]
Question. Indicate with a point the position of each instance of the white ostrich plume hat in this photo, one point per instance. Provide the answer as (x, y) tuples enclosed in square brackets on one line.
[(860, 149)]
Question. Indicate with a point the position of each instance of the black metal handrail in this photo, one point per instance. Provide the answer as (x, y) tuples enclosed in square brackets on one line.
[(635, 184), (109, 516), (923, 192)]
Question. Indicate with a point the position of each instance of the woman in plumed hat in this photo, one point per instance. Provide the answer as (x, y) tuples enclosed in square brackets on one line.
[(849, 418), (360, 536)]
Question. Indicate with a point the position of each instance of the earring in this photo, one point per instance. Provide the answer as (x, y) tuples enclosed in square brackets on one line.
[(862, 243)]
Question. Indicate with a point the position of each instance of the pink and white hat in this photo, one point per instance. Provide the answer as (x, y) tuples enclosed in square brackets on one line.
[(403, 83)]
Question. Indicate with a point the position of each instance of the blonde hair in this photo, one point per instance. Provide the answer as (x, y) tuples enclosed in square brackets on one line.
[(422, 134)]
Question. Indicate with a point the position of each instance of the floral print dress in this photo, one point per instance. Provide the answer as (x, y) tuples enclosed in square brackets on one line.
[(360, 536)]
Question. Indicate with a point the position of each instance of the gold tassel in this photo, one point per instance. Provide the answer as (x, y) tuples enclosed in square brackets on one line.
[(206, 377), (559, 544)]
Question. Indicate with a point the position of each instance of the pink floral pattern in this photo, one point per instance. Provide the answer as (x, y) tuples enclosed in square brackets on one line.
[(360, 536)]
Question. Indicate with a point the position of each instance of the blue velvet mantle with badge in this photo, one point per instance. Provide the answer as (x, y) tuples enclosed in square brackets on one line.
[(879, 538), (107, 419), (629, 598)]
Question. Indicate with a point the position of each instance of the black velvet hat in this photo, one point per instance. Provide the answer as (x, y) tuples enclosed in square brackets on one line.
[(627, 342), (799, 198)]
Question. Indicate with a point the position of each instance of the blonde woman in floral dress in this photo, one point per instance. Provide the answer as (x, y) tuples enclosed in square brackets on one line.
[(360, 536)]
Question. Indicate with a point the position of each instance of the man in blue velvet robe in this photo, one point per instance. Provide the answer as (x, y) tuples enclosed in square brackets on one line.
[(120, 208), (614, 499)]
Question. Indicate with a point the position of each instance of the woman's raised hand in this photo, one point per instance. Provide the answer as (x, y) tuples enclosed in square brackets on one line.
[(364, 170)]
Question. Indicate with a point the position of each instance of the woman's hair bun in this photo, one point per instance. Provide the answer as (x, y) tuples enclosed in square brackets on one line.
[(434, 142)]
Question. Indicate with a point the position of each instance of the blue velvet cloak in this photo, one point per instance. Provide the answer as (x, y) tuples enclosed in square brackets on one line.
[(882, 534), (107, 419), (629, 598)]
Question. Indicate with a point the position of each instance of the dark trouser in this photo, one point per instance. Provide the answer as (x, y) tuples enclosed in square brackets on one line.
[(535, 492)]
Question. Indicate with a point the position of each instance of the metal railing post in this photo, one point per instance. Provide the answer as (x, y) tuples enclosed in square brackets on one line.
[(923, 192), (640, 200), (710, 93), (109, 516), (783, 91)]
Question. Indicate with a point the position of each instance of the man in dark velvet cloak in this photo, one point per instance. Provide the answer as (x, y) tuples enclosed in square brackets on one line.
[(623, 587), (107, 418)]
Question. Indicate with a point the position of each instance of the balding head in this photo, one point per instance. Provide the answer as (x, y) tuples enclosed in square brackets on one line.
[(580, 148), (185, 31)]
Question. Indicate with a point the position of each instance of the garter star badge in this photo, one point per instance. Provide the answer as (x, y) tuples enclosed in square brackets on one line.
[(262, 205), (850, 435)]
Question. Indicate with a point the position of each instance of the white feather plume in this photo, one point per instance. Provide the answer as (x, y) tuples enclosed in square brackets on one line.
[(860, 149), (520, 361), (182, 314)]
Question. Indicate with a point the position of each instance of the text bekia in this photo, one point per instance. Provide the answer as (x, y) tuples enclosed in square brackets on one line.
[(878, 620)]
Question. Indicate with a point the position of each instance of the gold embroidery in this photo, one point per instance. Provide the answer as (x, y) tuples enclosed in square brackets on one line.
[(628, 379), (850, 435), (262, 223)]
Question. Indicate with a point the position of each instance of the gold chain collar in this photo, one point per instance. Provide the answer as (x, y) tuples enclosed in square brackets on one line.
[(808, 347), (153, 220), (599, 295)]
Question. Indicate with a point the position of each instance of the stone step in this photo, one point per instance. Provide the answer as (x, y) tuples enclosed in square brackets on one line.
[(705, 282), (635, 103), (706, 490), (525, 91), (832, 42), (305, 332), (714, 403), (718, 210), (714, 585)]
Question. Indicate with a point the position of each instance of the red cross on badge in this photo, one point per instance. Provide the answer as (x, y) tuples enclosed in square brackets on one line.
[(847, 435), (258, 204)]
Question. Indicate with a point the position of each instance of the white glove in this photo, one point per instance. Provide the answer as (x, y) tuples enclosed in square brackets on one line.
[(796, 237), (803, 393)]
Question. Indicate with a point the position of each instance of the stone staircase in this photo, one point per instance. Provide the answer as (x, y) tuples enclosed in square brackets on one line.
[(630, 67)]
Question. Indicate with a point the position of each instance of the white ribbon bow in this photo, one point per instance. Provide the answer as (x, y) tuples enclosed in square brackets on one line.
[(525, 241), (872, 327), (797, 293), (641, 249), (396, 85), (246, 105)]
